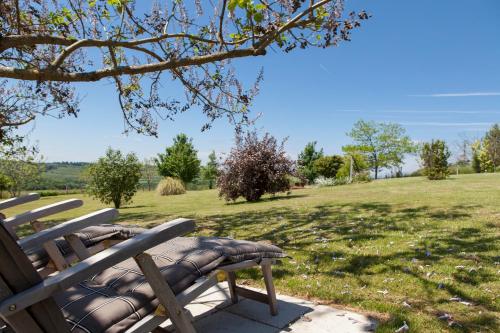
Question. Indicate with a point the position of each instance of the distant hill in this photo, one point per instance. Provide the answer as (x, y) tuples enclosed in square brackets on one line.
[(71, 176), (61, 176)]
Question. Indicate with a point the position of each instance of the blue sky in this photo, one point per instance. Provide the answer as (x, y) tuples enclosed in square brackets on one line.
[(432, 66)]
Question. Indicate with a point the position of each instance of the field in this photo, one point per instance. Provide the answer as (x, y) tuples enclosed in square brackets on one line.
[(400, 249)]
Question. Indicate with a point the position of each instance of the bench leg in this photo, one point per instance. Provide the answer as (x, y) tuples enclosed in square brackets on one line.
[(165, 295), (271, 292), (231, 282)]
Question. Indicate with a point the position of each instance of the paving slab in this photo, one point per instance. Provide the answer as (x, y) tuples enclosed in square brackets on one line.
[(217, 296), (214, 313), (287, 312), (225, 322), (324, 319)]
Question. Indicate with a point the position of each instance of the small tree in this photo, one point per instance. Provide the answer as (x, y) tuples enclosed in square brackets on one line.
[(306, 160), (328, 166), (254, 167), (383, 144), (463, 149), (114, 177), (481, 158), (476, 162), (209, 171), (435, 156), (180, 160)]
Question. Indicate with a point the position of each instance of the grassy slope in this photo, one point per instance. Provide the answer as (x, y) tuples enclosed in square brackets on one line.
[(364, 246)]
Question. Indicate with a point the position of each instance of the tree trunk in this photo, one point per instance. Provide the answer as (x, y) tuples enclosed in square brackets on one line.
[(376, 172)]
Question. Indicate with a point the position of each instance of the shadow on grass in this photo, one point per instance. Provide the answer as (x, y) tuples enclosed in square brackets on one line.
[(341, 228), (267, 199)]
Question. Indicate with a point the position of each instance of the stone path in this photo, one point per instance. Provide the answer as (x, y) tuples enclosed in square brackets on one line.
[(214, 313)]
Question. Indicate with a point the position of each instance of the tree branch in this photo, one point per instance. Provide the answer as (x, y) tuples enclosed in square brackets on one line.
[(11, 41), (51, 75), (221, 24)]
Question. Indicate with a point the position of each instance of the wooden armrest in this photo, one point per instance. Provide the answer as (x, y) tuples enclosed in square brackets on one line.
[(96, 264), (19, 200), (66, 228), (41, 212)]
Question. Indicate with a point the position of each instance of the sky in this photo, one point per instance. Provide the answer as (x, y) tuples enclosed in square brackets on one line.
[(431, 66)]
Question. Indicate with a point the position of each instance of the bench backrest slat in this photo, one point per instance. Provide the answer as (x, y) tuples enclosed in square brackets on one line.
[(18, 201), (42, 212), (17, 274)]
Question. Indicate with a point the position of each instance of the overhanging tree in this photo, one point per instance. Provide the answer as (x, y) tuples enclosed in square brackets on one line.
[(47, 46)]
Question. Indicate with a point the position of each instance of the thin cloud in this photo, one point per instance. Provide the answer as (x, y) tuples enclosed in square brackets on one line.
[(442, 111), (424, 111), (445, 124), (323, 67), (466, 94)]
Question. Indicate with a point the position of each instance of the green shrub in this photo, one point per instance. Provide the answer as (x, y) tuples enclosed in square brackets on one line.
[(49, 193), (170, 186), (435, 156), (327, 166), (362, 177), (462, 169), (53, 193), (296, 181), (360, 166)]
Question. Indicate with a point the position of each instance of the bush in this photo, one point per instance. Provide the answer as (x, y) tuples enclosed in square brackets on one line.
[(359, 168), (323, 181), (114, 178), (435, 156), (362, 177), (297, 181), (462, 169), (328, 166), (170, 186), (254, 167), (53, 193)]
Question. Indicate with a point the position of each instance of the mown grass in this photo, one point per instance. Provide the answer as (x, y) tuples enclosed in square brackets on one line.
[(370, 247)]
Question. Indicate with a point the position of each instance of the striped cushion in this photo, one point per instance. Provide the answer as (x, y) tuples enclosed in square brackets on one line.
[(90, 236), (118, 297)]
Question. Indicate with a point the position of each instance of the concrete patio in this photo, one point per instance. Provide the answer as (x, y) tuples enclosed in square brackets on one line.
[(214, 313)]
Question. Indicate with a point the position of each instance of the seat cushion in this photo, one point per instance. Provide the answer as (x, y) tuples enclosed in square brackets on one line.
[(118, 297), (90, 236)]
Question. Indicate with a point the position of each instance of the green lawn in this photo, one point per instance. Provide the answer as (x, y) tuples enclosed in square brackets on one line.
[(370, 246)]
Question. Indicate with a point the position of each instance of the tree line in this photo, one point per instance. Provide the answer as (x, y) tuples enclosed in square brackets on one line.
[(256, 165)]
